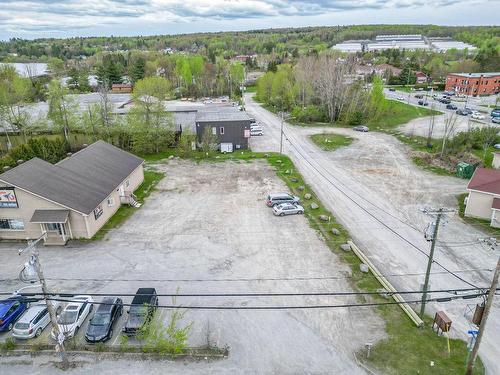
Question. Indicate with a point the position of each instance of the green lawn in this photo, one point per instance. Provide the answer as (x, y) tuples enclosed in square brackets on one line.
[(151, 179), (398, 113), (331, 142)]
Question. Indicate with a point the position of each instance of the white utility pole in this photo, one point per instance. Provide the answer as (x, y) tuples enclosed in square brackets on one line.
[(281, 132), (34, 262)]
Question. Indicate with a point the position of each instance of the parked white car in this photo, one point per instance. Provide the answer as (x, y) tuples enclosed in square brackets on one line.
[(255, 132), (477, 116), (256, 127), (287, 209), (32, 322), (400, 97), (73, 316)]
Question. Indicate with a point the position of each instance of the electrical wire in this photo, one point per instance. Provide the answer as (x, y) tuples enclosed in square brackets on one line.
[(299, 278), (283, 307), (290, 294), (373, 216)]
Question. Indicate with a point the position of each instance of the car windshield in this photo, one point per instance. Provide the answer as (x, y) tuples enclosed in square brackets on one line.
[(67, 317), (100, 319), (22, 325), (138, 310)]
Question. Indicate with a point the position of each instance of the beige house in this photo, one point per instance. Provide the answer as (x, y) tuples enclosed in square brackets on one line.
[(71, 199), (483, 201)]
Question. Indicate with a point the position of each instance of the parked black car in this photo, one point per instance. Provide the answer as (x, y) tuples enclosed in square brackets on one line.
[(392, 89), (451, 106), (101, 325), (422, 102), (419, 96), (462, 112), (143, 307), (445, 101)]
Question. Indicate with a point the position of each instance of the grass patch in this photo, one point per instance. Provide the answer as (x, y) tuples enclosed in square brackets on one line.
[(422, 163), (397, 113), (480, 224), (410, 350), (330, 142), (151, 179)]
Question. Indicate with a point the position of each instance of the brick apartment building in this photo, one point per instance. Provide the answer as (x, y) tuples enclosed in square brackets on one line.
[(473, 84)]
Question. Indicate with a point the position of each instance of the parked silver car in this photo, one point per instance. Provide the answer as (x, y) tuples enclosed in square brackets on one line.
[(279, 198), (287, 209), (361, 128), (32, 322)]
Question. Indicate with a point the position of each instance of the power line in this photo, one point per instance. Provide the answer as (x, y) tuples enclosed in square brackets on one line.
[(267, 294), (283, 307), (373, 216), (300, 278)]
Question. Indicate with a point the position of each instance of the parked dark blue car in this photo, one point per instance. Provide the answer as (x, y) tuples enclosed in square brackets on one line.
[(10, 310)]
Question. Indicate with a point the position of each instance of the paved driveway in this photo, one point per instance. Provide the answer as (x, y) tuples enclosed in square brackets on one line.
[(377, 193)]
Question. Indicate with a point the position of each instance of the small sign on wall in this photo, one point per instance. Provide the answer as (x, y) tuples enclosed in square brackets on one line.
[(8, 197), (98, 212), (246, 133)]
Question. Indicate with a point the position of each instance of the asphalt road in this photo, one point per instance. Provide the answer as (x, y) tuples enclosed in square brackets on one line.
[(376, 192), (409, 98)]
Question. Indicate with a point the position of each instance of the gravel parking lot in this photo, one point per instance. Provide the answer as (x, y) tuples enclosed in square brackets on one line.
[(207, 230)]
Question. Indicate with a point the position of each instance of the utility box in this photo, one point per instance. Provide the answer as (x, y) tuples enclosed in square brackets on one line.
[(465, 170), (226, 147)]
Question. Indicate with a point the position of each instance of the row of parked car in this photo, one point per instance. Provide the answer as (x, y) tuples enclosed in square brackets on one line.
[(284, 204), (27, 320), (256, 129)]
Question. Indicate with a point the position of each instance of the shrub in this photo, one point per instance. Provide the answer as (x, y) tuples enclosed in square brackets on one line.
[(310, 113)]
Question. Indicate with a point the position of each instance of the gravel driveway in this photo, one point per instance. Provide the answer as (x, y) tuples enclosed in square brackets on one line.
[(376, 192), (208, 223)]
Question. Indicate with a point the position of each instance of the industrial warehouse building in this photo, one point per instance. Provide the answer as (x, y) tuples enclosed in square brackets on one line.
[(231, 127), (71, 199)]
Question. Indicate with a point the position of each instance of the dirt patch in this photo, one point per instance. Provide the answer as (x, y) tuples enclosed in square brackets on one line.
[(448, 163)]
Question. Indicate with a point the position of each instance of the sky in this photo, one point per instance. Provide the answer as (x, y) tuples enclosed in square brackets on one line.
[(68, 18)]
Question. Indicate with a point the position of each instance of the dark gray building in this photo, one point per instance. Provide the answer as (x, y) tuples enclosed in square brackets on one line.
[(230, 127)]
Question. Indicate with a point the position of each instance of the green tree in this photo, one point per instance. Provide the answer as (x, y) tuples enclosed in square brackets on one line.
[(14, 91), (137, 70), (63, 109)]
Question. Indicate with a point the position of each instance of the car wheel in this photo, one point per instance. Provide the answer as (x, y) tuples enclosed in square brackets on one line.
[(299, 212), (110, 335), (76, 331), (38, 332), (9, 328), (282, 214), (91, 308)]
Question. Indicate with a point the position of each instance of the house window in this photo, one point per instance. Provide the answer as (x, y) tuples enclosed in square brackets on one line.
[(221, 130), (111, 202), (214, 130), (11, 224), (98, 212)]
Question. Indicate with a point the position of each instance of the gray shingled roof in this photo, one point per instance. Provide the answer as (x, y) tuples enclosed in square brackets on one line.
[(225, 115), (50, 216), (80, 182)]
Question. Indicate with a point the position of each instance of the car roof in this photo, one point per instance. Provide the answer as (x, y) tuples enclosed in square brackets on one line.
[(143, 295), (6, 304), (106, 307), (31, 313), (72, 306), (274, 195)]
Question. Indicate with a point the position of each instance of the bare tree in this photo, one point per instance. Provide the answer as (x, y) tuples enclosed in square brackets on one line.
[(449, 129)]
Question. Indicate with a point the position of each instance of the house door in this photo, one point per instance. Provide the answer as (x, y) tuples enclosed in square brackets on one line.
[(122, 191)]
